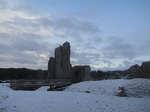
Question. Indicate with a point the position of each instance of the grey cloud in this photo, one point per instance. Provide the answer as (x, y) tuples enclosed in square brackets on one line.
[(108, 62), (90, 48), (14, 51), (21, 42), (139, 62), (119, 49), (85, 58), (46, 22), (14, 5), (144, 48), (69, 24), (23, 7), (71, 36), (124, 66), (62, 24), (114, 39), (4, 48), (72, 28), (128, 63), (3, 5), (28, 58), (87, 27), (21, 58), (29, 44), (21, 22), (6, 41), (112, 69), (96, 39)]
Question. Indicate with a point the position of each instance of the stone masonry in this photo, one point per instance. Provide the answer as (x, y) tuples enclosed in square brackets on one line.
[(60, 67), (81, 73)]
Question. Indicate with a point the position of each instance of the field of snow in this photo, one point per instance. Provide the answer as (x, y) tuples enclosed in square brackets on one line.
[(88, 96)]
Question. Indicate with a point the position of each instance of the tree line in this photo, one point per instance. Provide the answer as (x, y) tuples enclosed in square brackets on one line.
[(100, 75), (22, 73), (29, 74)]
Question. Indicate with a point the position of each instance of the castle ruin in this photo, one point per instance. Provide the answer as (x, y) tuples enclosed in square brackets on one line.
[(60, 67)]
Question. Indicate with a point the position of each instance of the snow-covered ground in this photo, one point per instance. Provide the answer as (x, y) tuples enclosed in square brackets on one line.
[(133, 88), (88, 96)]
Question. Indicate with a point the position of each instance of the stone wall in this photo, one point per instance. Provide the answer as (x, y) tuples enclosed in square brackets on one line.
[(60, 67), (62, 61), (81, 73), (51, 68)]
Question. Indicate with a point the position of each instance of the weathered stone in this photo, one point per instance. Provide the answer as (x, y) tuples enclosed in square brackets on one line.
[(60, 67), (51, 68), (81, 73), (62, 61)]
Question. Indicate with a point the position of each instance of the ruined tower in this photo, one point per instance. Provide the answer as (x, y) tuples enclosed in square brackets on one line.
[(59, 67)]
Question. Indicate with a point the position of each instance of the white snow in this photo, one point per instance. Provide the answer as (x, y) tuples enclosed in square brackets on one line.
[(44, 88), (134, 88), (75, 99)]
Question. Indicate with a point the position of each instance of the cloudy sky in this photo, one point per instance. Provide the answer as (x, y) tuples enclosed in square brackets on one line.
[(105, 34)]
